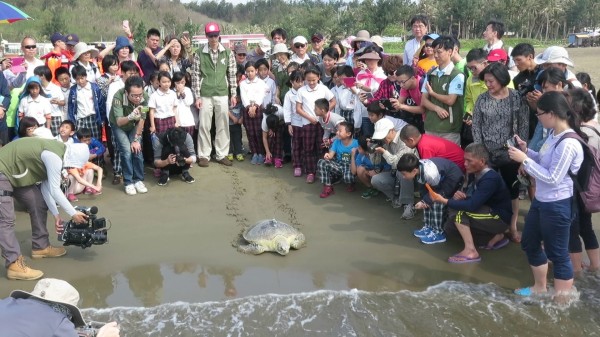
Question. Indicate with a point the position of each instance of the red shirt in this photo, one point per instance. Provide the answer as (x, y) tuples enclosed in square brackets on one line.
[(432, 146)]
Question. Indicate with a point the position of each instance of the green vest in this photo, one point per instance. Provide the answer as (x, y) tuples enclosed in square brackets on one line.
[(21, 160), (456, 111), (214, 77)]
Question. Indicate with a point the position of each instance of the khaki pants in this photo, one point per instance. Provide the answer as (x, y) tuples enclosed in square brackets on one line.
[(219, 107)]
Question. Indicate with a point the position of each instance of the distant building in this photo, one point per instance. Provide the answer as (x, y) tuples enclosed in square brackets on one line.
[(230, 41)]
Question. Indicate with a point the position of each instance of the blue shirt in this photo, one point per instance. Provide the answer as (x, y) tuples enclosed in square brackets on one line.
[(343, 153), (456, 85), (27, 317), (363, 160)]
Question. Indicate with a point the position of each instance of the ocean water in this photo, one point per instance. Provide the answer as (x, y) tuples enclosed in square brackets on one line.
[(450, 308)]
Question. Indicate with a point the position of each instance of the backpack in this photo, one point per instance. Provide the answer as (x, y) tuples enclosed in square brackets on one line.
[(587, 180)]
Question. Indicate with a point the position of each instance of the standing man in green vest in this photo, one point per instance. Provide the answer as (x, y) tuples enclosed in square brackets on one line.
[(24, 163), (214, 85), (443, 93)]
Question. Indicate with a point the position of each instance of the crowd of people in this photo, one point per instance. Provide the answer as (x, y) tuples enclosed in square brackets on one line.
[(466, 136)]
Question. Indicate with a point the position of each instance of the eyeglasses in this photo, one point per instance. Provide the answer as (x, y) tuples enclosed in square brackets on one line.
[(299, 45), (212, 36), (474, 68), (541, 113), (30, 46), (421, 26), (136, 95), (404, 82)]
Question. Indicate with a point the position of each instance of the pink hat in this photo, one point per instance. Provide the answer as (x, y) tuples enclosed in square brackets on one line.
[(497, 55), (211, 27)]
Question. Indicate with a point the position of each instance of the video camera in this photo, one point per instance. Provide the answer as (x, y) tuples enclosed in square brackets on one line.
[(93, 232), (179, 158), (526, 87), (375, 143), (90, 330)]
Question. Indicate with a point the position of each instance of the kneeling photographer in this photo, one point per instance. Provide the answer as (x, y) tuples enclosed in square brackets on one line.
[(49, 310), (386, 141), (174, 154)]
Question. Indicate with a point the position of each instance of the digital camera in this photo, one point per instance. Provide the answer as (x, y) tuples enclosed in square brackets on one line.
[(375, 143), (92, 232), (525, 88)]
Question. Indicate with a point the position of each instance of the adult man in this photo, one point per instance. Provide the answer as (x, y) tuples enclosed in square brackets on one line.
[(443, 91), (127, 123), (392, 149), (174, 154), (4, 105), (49, 310), (523, 55), (29, 49), (56, 58), (240, 54), (72, 40), (482, 213), (24, 163), (300, 55), (213, 72), (419, 24), (278, 35), (493, 33), (148, 62), (317, 41), (430, 146), (260, 52)]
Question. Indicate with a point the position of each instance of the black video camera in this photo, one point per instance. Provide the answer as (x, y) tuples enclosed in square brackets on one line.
[(93, 232), (525, 88), (374, 143), (179, 158)]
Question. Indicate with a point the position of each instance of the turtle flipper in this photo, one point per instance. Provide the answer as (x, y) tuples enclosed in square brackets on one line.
[(252, 248)]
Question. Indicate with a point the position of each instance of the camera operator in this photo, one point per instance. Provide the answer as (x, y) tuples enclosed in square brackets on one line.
[(173, 154), (523, 54), (24, 163), (392, 148), (50, 310)]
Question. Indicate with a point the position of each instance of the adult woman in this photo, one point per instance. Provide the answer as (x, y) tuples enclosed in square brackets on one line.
[(330, 58), (388, 88), (549, 218), (337, 45), (175, 54), (498, 116), (583, 106), (282, 56), (84, 56)]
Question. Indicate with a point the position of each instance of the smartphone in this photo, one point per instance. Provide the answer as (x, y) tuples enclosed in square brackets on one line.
[(349, 82), (369, 95), (186, 34), (511, 142), (125, 24), (17, 65)]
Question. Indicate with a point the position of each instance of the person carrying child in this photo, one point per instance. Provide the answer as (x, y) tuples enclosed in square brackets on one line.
[(337, 162), (272, 135)]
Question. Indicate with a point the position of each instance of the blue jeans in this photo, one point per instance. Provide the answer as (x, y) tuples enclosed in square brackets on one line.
[(132, 164), (549, 222)]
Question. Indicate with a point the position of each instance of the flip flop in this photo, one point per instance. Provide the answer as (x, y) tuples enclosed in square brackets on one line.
[(459, 259), (500, 244), (526, 292)]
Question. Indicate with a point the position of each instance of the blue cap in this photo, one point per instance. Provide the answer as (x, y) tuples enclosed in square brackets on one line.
[(432, 36), (72, 39), (57, 37)]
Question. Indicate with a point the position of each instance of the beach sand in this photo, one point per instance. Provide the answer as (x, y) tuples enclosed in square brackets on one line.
[(176, 243)]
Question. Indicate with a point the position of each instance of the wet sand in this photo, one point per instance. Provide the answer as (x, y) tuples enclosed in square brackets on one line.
[(175, 243)]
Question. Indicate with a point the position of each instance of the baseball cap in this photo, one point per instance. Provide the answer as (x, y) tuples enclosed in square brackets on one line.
[(496, 55), (100, 46), (240, 49), (432, 36), (554, 54), (382, 128), (299, 39), (57, 37), (72, 39), (316, 37), (264, 45), (211, 27)]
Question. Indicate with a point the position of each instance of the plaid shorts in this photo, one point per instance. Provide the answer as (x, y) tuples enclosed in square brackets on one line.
[(435, 216), (331, 170), (55, 125), (89, 122), (163, 124)]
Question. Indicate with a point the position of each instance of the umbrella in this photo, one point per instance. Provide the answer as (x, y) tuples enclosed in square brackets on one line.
[(10, 13)]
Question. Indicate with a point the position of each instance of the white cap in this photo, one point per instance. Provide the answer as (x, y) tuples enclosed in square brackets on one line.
[(554, 54), (300, 39), (264, 45), (382, 128), (76, 155)]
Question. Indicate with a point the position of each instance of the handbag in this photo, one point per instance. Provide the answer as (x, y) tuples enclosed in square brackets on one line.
[(499, 152)]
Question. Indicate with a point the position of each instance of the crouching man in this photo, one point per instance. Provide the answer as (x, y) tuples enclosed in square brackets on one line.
[(173, 154), (481, 214)]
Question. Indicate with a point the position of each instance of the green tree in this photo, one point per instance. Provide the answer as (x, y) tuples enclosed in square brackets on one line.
[(139, 35), (55, 24)]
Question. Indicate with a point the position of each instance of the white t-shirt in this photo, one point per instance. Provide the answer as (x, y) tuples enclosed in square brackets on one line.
[(329, 127), (278, 113), (163, 103), (65, 108), (186, 118), (54, 91), (85, 101), (32, 65), (112, 90), (270, 93), (253, 91), (289, 108), (308, 96), (91, 69), (37, 108)]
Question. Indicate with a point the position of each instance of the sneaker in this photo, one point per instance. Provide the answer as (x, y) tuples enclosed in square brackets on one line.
[(130, 189), (350, 188), (140, 187), (278, 163), (327, 191), (423, 232), (371, 192), (260, 159), (157, 172), (163, 180), (239, 157), (432, 238), (268, 162), (409, 212), (310, 178), (225, 161), (72, 197), (117, 180), (18, 270), (230, 157), (185, 176), (203, 162), (297, 172), (49, 251), (396, 203), (87, 190), (254, 160)]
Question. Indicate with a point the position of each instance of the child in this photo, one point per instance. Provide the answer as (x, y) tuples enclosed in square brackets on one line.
[(84, 135), (346, 99), (110, 64), (163, 65), (81, 180), (64, 79), (328, 120), (293, 121), (33, 102), (376, 113), (311, 130), (154, 84), (262, 66), (445, 178), (86, 103), (53, 92), (253, 91), (66, 132), (185, 99), (163, 105), (272, 135), (336, 163), (235, 123), (362, 167)]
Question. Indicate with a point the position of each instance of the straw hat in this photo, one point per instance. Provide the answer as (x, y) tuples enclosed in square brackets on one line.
[(55, 291), (82, 48)]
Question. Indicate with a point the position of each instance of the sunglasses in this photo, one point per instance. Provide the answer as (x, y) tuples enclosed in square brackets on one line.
[(30, 46), (243, 55), (299, 45), (212, 36)]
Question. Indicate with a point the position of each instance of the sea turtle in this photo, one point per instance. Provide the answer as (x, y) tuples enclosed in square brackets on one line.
[(271, 236)]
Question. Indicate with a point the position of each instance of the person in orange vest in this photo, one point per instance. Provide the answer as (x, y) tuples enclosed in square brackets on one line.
[(57, 57)]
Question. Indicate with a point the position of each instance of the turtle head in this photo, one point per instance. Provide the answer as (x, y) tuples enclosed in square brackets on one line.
[(283, 247), (298, 241)]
